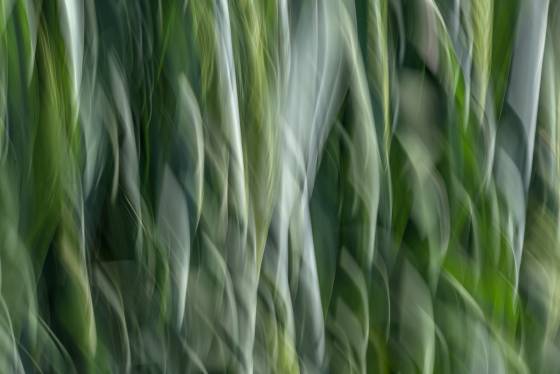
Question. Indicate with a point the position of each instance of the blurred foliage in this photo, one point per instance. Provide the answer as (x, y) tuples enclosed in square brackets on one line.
[(280, 186)]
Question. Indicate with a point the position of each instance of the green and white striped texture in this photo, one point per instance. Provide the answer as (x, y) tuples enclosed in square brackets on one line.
[(279, 186)]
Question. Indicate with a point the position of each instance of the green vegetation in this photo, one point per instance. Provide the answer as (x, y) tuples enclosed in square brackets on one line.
[(350, 186)]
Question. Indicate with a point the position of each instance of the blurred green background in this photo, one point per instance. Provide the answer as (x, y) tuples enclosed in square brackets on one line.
[(279, 186)]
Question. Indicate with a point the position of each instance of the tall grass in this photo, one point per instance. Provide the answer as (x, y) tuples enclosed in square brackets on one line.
[(280, 186)]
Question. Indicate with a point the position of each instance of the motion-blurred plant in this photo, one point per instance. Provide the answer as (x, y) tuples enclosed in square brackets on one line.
[(280, 186)]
